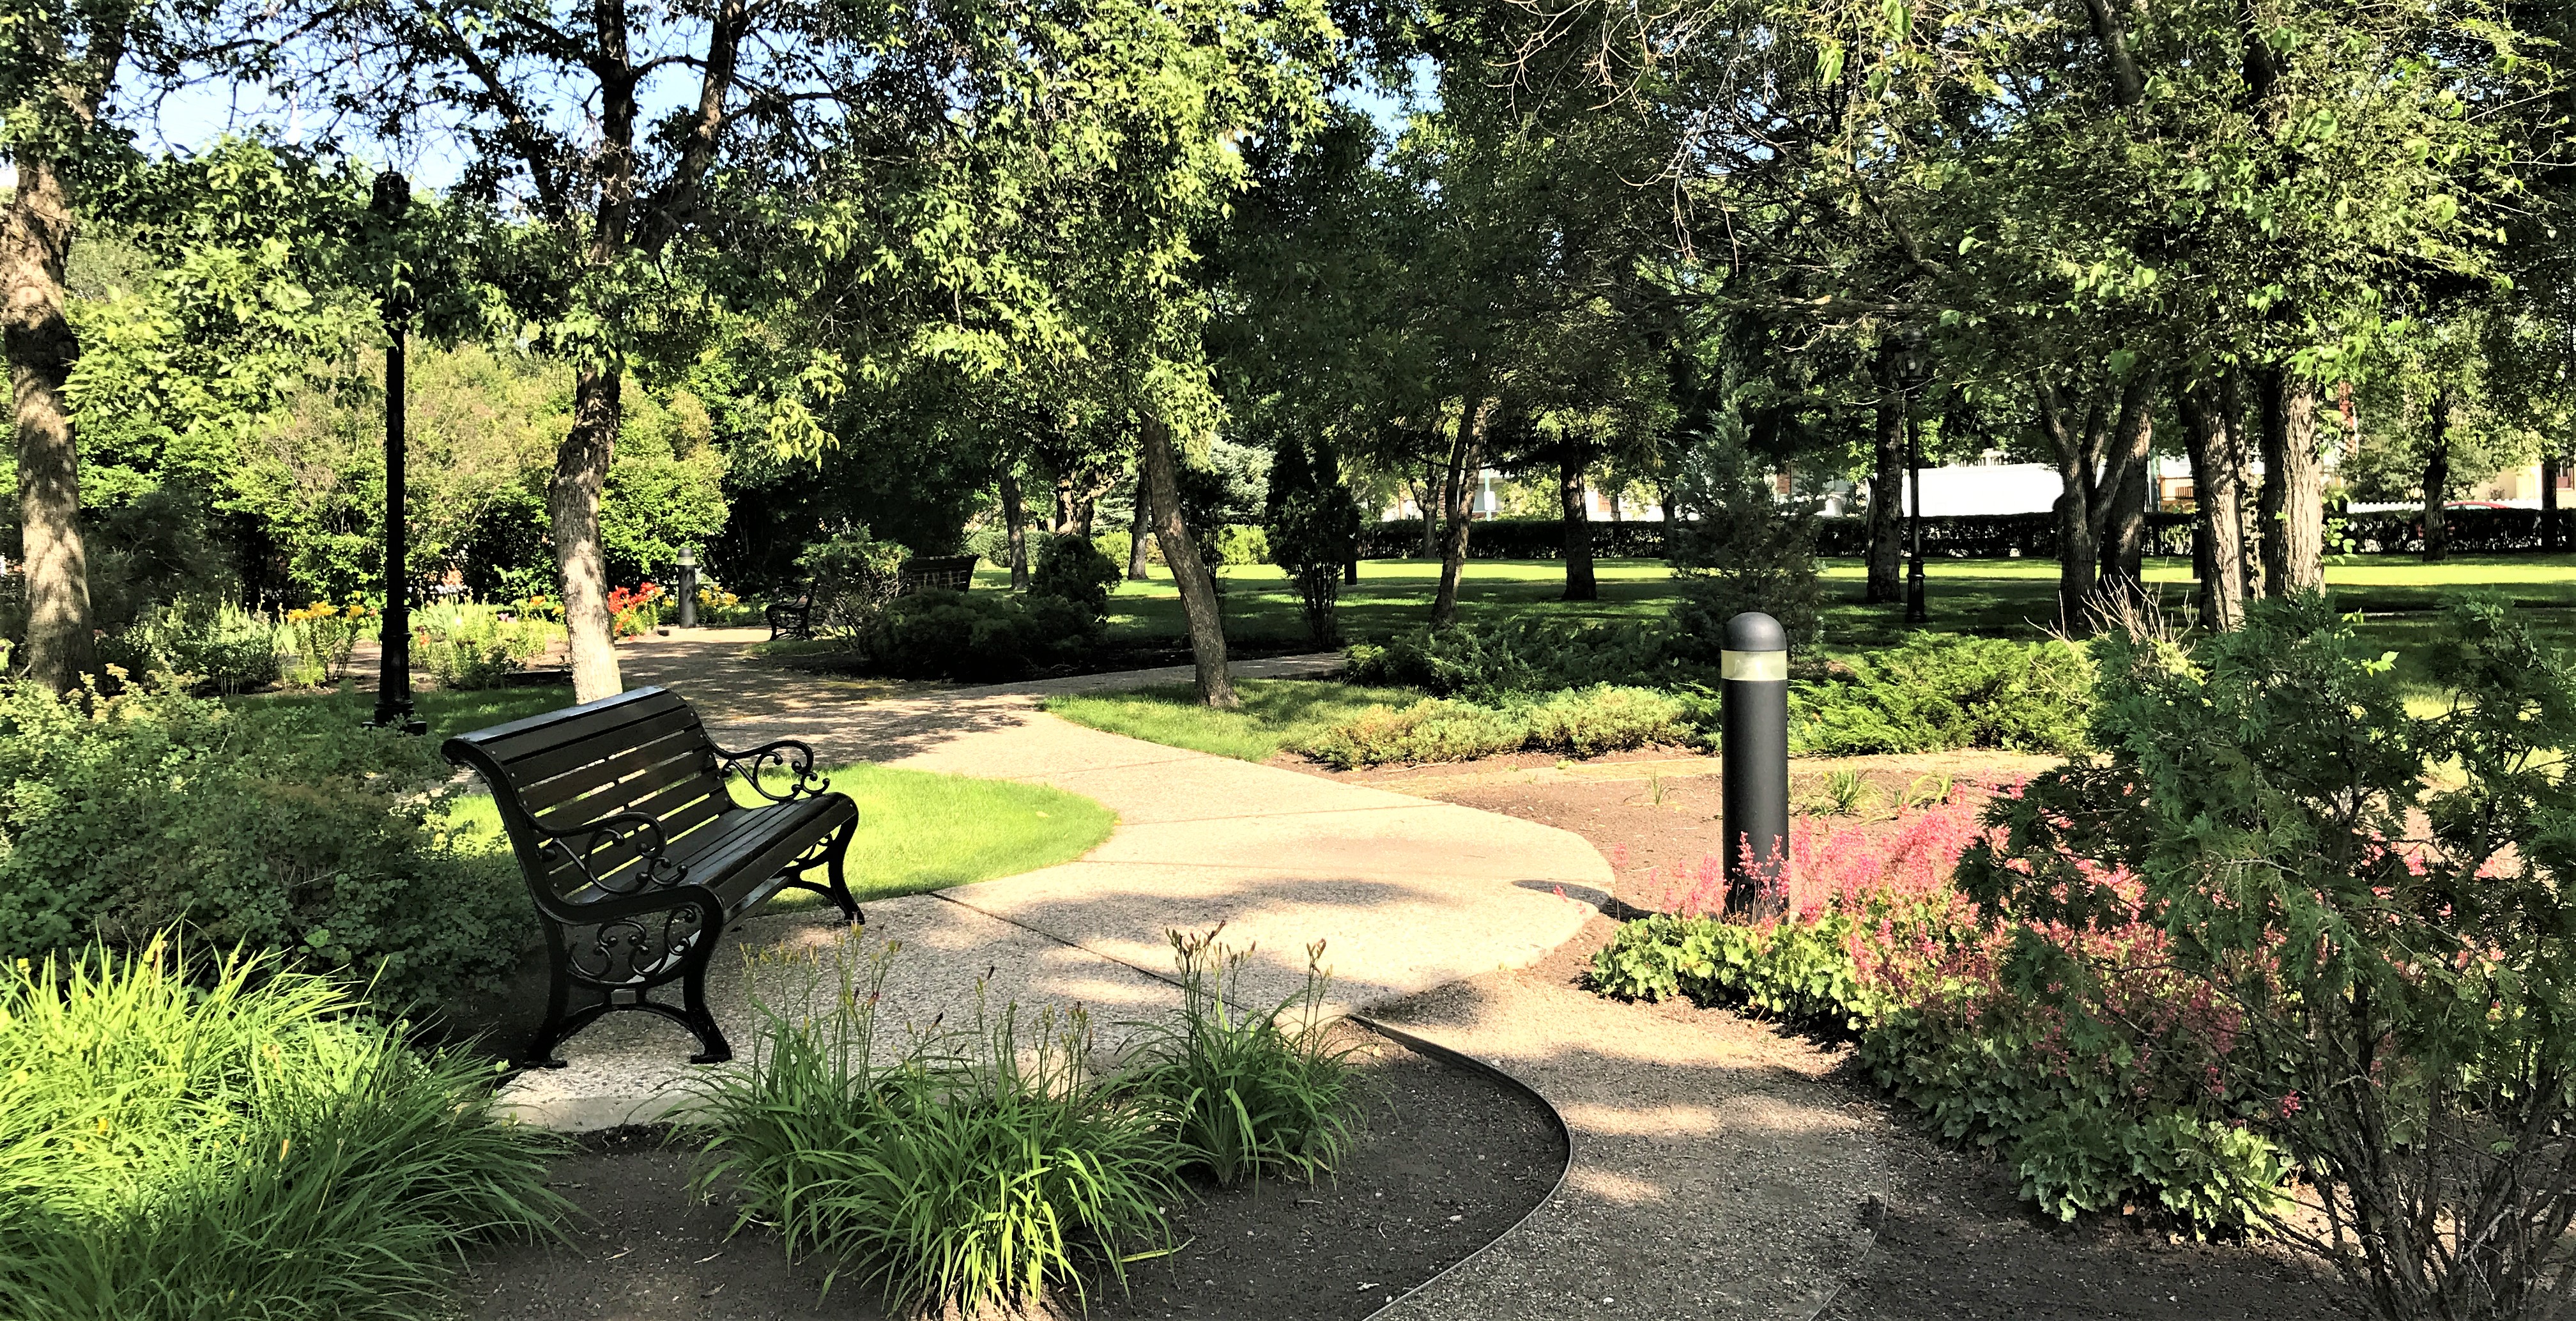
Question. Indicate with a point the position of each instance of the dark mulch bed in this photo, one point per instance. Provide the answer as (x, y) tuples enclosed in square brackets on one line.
[(1446, 1160)]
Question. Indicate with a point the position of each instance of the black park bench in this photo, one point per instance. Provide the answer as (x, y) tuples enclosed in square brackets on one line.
[(623, 817)]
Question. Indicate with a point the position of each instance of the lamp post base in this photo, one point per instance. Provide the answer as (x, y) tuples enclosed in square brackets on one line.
[(1915, 610)]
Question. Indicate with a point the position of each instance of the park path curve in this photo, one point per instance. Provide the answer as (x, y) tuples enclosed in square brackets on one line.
[(1713, 1172), (1406, 894)]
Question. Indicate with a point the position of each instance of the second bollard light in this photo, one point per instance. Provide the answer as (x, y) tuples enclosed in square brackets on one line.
[(1754, 743)]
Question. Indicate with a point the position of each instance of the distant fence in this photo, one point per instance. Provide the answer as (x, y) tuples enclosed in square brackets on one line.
[(1985, 536)]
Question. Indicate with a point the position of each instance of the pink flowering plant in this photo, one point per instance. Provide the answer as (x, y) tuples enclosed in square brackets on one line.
[(2377, 909)]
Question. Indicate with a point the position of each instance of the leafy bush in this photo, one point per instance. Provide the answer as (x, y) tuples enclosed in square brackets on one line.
[(1246, 1093), (1748, 549), (1941, 691), (2097, 1093), (215, 644), (1313, 527), (2381, 906), (977, 636), (1073, 570), (853, 577), (967, 1176), (1583, 722), (467, 647), (238, 1143), (274, 826), (1517, 654)]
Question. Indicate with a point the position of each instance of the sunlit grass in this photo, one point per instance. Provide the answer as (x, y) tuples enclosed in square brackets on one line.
[(1275, 713), (919, 830)]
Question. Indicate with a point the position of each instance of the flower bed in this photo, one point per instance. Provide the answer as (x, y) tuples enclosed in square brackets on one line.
[(2106, 1098)]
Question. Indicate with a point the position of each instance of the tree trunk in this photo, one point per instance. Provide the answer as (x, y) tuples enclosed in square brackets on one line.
[(2217, 472), (572, 506), (41, 350), (1067, 515), (1886, 493), (1015, 528), (1466, 460), (1433, 506), (1139, 528), (2437, 481), (2549, 464), (1579, 583), (2120, 525), (2292, 508), (1199, 604), (2076, 560)]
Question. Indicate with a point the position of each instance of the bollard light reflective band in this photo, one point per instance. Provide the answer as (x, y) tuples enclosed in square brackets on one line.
[(1753, 666)]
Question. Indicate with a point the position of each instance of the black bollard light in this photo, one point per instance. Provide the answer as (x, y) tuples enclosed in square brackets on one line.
[(687, 564), (1754, 697)]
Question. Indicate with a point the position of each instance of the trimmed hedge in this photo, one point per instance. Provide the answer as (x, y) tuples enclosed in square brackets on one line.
[(1945, 536), (1516, 539)]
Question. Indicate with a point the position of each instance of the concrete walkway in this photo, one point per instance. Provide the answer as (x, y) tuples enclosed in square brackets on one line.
[(1406, 894), (1714, 1172)]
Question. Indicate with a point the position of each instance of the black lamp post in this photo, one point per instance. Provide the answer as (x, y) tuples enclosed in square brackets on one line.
[(393, 674), (687, 564), (1916, 366)]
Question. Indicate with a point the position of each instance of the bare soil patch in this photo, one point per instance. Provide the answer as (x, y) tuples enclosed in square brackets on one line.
[(1446, 1160), (1955, 1242)]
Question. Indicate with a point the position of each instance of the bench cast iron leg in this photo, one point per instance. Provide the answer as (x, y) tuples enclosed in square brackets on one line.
[(712, 1047), (840, 880), (552, 1032)]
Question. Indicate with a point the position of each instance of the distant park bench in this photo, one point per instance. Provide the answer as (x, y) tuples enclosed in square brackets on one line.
[(623, 817), (795, 619)]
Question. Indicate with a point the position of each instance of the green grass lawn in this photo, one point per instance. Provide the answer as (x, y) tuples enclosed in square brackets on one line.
[(1994, 597), (1275, 712), (919, 830), (447, 714)]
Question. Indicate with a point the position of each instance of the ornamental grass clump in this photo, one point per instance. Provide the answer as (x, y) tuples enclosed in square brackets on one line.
[(1246, 1093), (236, 1140), (976, 1172)]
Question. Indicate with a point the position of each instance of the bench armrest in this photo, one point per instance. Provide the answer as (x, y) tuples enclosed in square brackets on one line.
[(786, 754), (635, 828)]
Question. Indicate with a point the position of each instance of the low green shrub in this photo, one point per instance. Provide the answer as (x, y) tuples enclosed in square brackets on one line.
[(1518, 654), (976, 636), (471, 647), (1581, 722), (274, 825), (1072, 570), (215, 644), (1940, 691), (238, 1143), (968, 1176), (1246, 1093)]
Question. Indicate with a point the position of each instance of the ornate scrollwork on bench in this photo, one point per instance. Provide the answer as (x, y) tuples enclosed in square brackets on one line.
[(655, 857)]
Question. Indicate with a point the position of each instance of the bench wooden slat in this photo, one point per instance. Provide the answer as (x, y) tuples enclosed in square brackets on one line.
[(536, 769), (674, 758), (512, 742)]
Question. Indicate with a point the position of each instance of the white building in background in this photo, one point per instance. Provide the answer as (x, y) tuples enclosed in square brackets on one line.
[(1486, 501)]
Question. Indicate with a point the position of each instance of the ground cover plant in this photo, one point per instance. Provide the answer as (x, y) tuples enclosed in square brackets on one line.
[(992, 1167), (1938, 692), (275, 824), (918, 830), (1576, 722), (237, 1139)]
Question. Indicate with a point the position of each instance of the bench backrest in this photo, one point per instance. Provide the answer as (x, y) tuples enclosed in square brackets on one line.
[(640, 751)]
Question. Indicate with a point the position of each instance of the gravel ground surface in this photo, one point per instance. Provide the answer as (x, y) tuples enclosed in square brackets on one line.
[(1715, 1172)]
